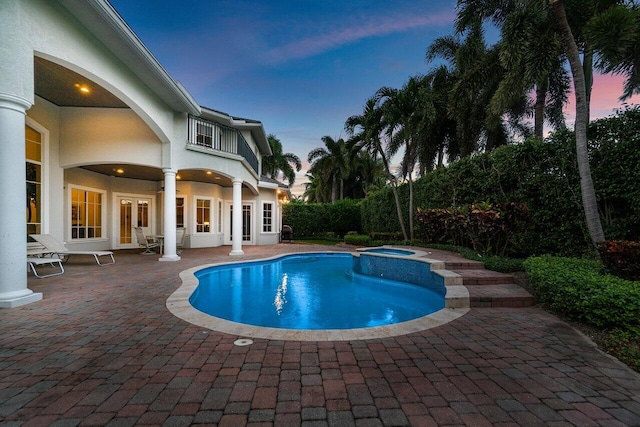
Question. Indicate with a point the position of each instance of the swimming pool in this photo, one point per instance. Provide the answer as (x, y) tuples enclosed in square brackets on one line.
[(408, 268), (311, 292)]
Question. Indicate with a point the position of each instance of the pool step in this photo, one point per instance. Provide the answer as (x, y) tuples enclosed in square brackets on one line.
[(463, 264), (505, 295), (471, 277), (492, 289)]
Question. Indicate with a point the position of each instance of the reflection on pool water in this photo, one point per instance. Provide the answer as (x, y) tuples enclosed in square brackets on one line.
[(310, 291)]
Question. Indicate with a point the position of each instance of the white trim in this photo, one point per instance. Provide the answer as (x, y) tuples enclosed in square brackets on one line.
[(185, 212), (220, 219), (194, 215), (273, 217), (45, 218), (226, 224), (115, 215), (103, 216)]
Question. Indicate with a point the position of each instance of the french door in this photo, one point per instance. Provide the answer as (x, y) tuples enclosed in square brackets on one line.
[(133, 211), (247, 223)]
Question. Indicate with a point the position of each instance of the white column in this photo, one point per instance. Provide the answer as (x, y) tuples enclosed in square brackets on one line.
[(13, 226), (236, 241), (169, 216)]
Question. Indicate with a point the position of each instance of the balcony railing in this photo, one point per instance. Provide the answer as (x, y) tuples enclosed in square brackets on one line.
[(218, 137)]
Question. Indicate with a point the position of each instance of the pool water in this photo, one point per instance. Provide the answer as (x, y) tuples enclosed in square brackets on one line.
[(309, 291)]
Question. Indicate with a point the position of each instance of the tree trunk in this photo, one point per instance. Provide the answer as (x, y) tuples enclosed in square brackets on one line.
[(589, 202), (588, 79), (334, 188), (541, 100), (410, 207), (394, 189)]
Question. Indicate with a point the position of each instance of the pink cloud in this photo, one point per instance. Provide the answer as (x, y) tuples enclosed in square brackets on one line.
[(605, 97), (324, 42)]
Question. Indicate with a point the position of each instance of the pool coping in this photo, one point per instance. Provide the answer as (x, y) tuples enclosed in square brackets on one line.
[(456, 305)]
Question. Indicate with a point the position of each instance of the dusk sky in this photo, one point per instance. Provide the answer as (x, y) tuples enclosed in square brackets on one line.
[(301, 67)]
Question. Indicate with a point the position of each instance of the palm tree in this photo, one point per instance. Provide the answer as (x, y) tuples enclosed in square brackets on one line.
[(367, 173), (407, 117), (331, 164), (442, 133), (615, 37), (315, 189), (530, 52), (279, 162), (476, 73), (365, 131), (606, 28), (587, 189)]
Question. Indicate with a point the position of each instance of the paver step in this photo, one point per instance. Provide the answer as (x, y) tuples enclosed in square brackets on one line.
[(483, 277), (463, 264), (504, 295)]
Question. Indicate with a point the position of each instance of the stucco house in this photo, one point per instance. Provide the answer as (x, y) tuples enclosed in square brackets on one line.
[(96, 138)]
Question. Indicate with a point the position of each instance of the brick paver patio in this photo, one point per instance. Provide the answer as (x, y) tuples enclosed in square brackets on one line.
[(101, 348)]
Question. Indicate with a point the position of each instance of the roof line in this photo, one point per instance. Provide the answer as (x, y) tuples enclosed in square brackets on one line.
[(113, 19)]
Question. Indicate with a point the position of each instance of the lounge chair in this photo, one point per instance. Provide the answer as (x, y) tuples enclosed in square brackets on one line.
[(34, 261), (148, 243), (55, 246), (181, 235)]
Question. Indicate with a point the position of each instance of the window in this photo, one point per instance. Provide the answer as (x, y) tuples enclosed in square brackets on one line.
[(180, 212), (204, 134), (143, 213), (267, 217), (219, 216), (86, 214), (203, 215), (33, 148)]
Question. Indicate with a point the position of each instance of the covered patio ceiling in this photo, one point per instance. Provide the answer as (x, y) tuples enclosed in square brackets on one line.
[(66, 88), (155, 174)]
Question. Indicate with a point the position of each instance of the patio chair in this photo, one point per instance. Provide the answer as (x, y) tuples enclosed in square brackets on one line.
[(55, 246), (33, 261), (148, 243), (181, 236)]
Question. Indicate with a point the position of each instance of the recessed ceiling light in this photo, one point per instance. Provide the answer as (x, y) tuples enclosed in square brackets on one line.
[(82, 88), (209, 172), (120, 170)]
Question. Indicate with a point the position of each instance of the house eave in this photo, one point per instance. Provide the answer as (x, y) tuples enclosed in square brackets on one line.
[(109, 27)]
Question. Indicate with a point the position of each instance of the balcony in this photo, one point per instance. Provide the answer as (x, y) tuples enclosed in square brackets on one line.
[(220, 138)]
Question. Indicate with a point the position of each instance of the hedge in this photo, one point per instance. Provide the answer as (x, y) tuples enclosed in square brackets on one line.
[(314, 219), (580, 290), (543, 176)]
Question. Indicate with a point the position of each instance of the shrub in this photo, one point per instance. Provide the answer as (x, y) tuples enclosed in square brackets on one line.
[(387, 236), (543, 176), (495, 263), (357, 239), (625, 345), (621, 258), (487, 228), (315, 219), (579, 290)]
